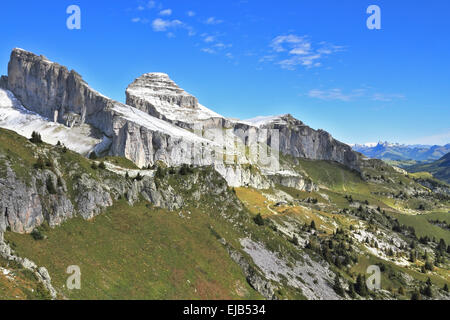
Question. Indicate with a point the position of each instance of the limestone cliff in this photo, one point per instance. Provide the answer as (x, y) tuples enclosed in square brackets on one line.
[(159, 120), (56, 93), (159, 96)]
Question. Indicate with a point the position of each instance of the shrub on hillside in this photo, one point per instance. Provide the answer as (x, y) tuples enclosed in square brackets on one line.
[(259, 220), (35, 137)]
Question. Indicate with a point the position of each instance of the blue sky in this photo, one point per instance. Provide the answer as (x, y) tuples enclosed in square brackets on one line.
[(314, 59)]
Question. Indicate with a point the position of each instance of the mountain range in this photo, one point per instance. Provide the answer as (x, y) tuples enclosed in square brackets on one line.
[(163, 198), (401, 152)]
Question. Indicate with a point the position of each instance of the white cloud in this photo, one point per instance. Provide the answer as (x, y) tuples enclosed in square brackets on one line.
[(208, 50), (294, 50), (364, 93), (267, 58), (221, 45), (160, 25), (191, 13), (386, 97), (148, 5), (335, 94), (278, 43), (213, 20), (191, 31), (208, 39), (166, 12), (301, 50), (307, 61), (135, 20)]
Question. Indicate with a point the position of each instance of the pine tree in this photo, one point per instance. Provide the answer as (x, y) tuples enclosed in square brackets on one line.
[(441, 246), (427, 290), (351, 290), (50, 186), (412, 256), (160, 173), (416, 295), (360, 286), (40, 164), (313, 225), (337, 286), (429, 265), (36, 137), (259, 220)]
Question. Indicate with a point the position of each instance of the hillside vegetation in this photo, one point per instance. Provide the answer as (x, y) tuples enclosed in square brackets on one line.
[(182, 233)]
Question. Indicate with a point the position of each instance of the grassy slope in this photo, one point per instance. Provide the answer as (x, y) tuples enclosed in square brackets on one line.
[(342, 181), (140, 253), (336, 182), (19, 284)]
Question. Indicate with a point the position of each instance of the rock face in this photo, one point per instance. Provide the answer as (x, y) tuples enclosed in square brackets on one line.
[(3, 82), (61, 191), (159, 96), (158, 121), (55, 92), (41, 273), (25, 206), (162, 90), (299, 140), (49, 88), (20, 208)]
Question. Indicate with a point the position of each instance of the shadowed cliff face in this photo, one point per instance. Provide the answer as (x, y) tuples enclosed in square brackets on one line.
[(57, 93)]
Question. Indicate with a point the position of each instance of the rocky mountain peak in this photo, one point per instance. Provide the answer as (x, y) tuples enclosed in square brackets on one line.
[(160, 89)]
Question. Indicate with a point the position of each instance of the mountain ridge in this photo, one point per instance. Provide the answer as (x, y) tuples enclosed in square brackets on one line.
[(144, 132), (402, 152), (440, 169)]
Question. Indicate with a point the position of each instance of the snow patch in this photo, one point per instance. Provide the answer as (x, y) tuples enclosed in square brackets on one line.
[(15, 117)]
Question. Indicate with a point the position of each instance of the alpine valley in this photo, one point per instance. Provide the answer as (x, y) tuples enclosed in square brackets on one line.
[(135, 196)]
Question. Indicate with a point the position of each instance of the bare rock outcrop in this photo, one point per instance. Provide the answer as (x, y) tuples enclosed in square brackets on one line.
[(55, 92), (158, 126), (159, 96)]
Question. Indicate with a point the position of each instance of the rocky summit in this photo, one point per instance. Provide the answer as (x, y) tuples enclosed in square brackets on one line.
[(157, 122), (163, 198)]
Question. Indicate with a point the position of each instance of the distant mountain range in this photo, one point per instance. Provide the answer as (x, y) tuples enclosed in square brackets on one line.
[(401, 152)]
